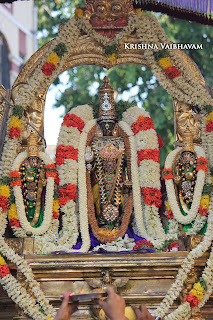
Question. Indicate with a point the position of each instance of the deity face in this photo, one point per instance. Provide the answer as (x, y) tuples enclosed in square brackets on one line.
[(107, 127), (108, 15), (189, 124)]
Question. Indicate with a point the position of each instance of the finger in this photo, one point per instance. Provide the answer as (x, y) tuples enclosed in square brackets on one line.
[(102, 303), (65, 299), (110, 291), (138, 312), (144, 310)]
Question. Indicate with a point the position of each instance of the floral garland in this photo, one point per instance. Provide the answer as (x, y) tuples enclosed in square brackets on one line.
[(12, 140), (185, 310), (35, 305), (147, 148), (71, 168), (168, 176)]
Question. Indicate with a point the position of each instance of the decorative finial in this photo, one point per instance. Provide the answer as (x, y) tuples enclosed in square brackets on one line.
[(106, 101)]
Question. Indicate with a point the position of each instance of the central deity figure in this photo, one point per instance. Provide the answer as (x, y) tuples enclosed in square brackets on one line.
[(108, 172)]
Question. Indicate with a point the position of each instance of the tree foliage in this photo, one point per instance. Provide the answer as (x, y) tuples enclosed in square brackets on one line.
[(131, 82)]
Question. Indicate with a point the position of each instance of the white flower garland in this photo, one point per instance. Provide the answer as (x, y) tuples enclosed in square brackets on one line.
[(154, 231), (18, 293), (139, 224), (71, 136), (197, 191), (20, 201), (176, 288)]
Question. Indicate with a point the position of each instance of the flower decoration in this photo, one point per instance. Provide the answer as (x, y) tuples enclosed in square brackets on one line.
[(15, 178), (152, 196), (165, 62), (143, 123), (143, 243), (197, 293), (4, 270), (50, 170), (148, 154), (167, 174), (14, 127), (13, 217), (79, 12), (172, 72), (53, 59), (67, 193), (72, 120), (174, 246), (63, 152), (202, 164)]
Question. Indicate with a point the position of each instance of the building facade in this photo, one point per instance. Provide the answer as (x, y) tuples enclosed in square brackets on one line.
[(18, 28)]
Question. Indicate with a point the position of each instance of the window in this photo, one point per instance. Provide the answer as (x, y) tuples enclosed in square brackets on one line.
[(4, 64)]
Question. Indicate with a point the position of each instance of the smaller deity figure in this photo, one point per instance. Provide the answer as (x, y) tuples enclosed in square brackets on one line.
[(33, 183), (108, 17), (184, 171), (108, 172)]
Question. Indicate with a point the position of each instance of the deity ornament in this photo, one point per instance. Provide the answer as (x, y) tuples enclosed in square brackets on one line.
[(108, 172), (108, 17), (33, 183)]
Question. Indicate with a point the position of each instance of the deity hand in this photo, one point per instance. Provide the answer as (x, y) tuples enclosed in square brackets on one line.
[(89, 157)]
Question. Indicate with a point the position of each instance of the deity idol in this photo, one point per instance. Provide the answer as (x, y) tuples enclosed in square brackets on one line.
[(108, 172), (185, 176)]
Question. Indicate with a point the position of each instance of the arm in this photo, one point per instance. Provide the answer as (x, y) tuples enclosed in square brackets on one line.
[(66, 309), (113, 306)]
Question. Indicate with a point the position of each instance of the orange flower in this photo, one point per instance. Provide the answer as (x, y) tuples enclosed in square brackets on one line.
[(167, 173), (143, 123), (202, 164)]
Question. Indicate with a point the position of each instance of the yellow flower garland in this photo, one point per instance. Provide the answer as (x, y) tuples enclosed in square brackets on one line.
[(198, 291), (5, 191), (2, 261), (204, 202), (15, 122), (54, 58), (165, 63), (56, 205), (210, 117), (12, 212)]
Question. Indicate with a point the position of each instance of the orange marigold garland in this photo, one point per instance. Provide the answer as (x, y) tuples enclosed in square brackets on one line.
[(152, 196), (63, 152), (15, 178), (67, 193), (143, 123), (167, 173), (148, 154), (202, 164), (71, 120)]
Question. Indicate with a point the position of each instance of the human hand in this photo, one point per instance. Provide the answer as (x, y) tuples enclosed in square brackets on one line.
[(142, 313), (113, 306), (66, 309)]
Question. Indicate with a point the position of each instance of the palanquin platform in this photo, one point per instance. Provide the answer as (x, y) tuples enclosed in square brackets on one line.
[(138, 277)]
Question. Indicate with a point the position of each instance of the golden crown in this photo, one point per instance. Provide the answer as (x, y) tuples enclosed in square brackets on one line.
[(106, 101)]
